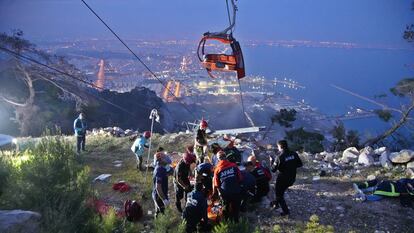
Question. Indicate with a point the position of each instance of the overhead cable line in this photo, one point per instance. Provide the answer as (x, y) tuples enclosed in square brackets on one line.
[(137, 57)]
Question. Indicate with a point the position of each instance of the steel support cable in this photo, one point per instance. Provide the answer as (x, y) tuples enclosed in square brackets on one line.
[(232, 24), (136, 56), (29, 59)]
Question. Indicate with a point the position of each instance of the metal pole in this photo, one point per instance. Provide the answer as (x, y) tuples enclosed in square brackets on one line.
[(153, 116)]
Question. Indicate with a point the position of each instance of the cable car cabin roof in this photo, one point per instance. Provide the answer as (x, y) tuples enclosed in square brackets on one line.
[(222, 62)]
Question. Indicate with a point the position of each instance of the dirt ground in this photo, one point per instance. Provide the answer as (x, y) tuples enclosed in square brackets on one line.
[(330, 197)]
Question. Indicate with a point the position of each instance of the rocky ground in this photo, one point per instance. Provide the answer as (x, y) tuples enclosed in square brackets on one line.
[(323, 187)]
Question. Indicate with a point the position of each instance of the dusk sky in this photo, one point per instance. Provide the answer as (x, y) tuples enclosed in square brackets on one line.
[(359, 21)]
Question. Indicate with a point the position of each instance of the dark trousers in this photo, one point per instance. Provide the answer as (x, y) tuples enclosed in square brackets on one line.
[(80, 143), (231, 208), (280, 189), (192, 220), (159, 204), (180, 193), (139, 162), (247, 197)]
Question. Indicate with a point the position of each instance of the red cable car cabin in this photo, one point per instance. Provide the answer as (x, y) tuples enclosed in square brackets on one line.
[(222, 62)]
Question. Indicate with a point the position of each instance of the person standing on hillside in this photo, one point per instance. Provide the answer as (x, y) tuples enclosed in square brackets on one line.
[(200, 142), (139, 148), (286, 163), (182, 175), (160, 184), (80, 126)]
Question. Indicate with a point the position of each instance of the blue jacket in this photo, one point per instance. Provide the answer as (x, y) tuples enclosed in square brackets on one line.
[(195, 207), (160, 176), (79, 126), (139, 145)]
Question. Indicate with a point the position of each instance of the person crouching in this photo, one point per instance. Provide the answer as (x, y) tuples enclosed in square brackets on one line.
[(195, 212), (226, 183)]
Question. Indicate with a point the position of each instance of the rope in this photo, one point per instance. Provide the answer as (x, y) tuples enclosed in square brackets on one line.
[(139, 59)]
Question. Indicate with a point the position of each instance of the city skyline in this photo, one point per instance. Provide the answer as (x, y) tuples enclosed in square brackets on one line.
[(368, 22)]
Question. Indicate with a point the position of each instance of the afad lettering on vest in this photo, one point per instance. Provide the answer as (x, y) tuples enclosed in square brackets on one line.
[(260, 172), (227, 173), (289, 158), (191, 201)]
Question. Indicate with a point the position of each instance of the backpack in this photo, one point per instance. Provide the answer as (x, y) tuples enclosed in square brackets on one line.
[(133, 210)]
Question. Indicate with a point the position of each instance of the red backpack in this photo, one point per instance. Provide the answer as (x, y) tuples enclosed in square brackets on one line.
[(133, 210)]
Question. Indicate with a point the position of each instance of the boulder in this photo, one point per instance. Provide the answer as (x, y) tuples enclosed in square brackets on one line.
[(129, 132), (365, 157), (19, 221), (410, 165), (404, 156), (385, 162), (329, 157), (380, 151), (319, 156), (410, 173), (350, 154)]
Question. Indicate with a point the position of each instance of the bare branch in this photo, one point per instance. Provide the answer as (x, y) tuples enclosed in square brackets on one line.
[(12, 102), (396, 126)]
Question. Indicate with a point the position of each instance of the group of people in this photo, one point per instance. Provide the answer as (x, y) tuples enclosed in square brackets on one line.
[(202, 180)]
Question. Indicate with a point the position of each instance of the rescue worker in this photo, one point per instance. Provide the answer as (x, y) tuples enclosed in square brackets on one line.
[(195, 211), (160, 184), (138, 147), (226, 184), (80, 126), (248, 185), (233, 154), (182, 173), (215, 147), (204, 174), (286, 163), (262, 180), (160, 151), (200, 142), (266, 170)]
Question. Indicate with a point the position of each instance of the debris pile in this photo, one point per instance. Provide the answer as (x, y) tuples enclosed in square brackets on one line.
[(113, 131)]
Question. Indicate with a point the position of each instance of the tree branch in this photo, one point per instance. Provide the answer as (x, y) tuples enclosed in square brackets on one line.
[(396, 126)]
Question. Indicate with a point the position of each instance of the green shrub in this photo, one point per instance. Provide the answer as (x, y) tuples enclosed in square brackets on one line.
[(110, 223), (313, 226), (4, 173), (277, 229), (302, 140), (169, 222), (48, 179), (242, 226)]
